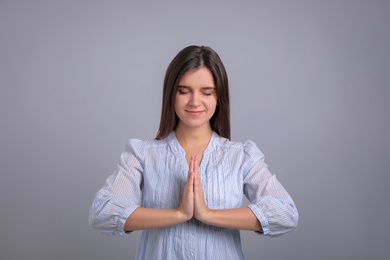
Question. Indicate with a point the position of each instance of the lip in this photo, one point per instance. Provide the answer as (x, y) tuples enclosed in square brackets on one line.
[(194, 113)]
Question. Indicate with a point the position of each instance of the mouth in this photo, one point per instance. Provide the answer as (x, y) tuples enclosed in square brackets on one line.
[(194, 113)]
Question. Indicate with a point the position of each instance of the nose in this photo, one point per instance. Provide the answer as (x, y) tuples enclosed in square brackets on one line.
[(195, 99)]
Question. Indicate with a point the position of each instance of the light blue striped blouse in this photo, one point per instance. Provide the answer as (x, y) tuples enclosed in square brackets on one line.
[(153, 173)]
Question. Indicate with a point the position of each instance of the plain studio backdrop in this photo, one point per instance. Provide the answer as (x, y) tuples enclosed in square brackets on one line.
[(309, 82)]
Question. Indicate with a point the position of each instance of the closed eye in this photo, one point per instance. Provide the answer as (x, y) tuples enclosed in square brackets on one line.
[(208, 91), (183, 92)]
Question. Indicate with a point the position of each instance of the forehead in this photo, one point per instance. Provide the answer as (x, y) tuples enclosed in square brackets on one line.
[(198, 77)]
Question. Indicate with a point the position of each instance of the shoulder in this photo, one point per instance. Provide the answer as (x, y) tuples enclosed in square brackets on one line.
[(247, 149), (139, 145), (247, 146), (137, 148)]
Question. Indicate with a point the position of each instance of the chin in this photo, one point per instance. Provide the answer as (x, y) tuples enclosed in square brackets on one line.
[(194, 125)]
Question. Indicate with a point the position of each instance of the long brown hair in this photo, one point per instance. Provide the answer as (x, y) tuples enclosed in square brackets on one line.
[(189, 58)]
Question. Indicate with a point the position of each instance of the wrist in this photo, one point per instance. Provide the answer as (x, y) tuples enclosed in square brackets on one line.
[(182, 217), (206, 216)]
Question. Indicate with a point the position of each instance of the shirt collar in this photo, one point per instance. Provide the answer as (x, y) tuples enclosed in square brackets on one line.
[(176, 147)]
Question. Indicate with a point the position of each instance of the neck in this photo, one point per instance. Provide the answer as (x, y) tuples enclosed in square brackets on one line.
[(189, 136)]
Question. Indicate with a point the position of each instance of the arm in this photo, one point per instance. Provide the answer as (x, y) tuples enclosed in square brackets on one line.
[(271, 210), (147, 218), (238, 218), (269, 201), (121, 193), (116, 207)]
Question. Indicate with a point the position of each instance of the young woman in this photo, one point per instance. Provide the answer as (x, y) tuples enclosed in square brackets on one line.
[(185, 188)]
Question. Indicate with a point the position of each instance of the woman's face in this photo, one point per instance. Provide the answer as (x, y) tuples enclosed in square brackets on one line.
[(196, 98)]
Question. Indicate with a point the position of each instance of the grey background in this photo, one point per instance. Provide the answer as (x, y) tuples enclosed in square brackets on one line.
[(310, 85)]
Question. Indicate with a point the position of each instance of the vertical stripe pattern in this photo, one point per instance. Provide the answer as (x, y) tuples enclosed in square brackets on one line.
[(153, 173)]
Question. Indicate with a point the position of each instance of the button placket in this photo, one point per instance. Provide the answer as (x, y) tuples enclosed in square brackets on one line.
[(192, 241)]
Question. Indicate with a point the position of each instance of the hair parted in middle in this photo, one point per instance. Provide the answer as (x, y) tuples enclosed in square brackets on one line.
[(187, 59)]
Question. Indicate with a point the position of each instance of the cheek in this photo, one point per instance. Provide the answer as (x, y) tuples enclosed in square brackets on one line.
[(179, 101), (176, 107), (212, 104)]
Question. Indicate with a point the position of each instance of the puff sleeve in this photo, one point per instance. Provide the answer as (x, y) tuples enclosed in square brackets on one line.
[(121, 193), (269, 200)]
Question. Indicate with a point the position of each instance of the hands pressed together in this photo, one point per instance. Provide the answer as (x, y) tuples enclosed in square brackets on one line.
[(193, 203)]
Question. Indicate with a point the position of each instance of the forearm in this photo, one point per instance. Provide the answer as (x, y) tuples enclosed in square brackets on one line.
[(147, 218), (239, 218)]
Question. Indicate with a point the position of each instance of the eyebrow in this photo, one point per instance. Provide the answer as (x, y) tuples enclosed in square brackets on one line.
[(204, 88)]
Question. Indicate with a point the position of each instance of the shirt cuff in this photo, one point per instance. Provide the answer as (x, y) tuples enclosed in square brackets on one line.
[(122, 220), (260, 216)]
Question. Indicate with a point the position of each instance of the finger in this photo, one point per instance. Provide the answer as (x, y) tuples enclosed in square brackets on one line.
[(197, 182), (196, 165), (193, 161), (190, 177)]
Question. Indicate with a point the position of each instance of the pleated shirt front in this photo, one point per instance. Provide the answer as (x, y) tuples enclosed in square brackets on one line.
[(152, 174)]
